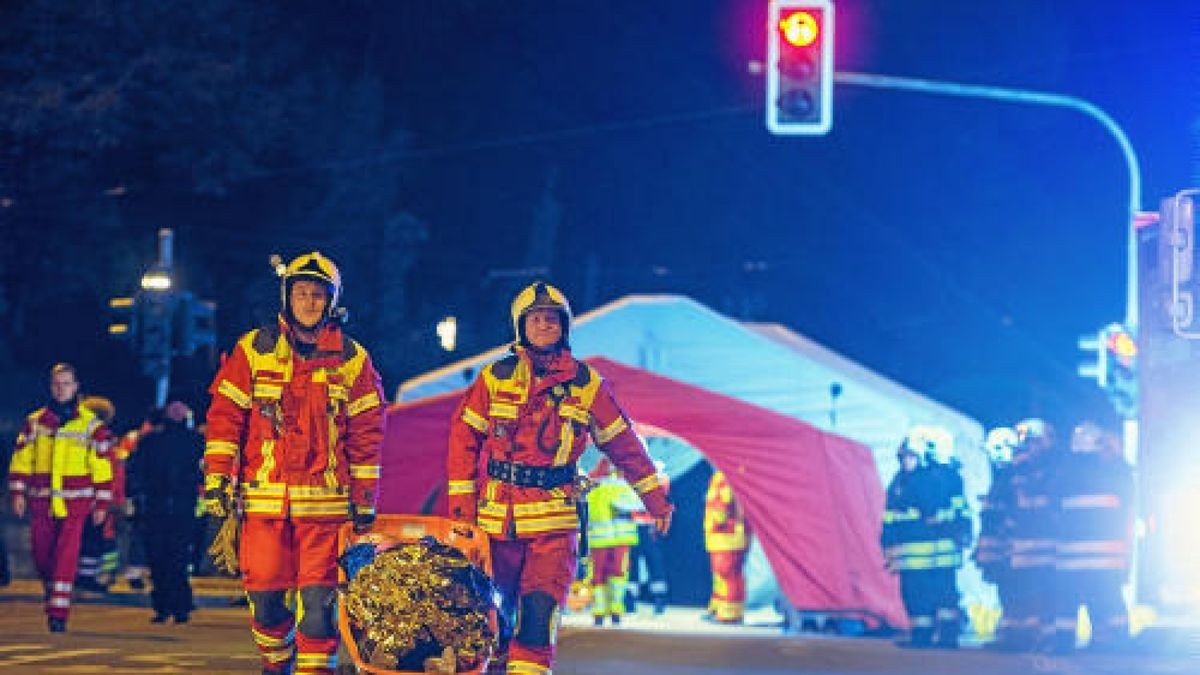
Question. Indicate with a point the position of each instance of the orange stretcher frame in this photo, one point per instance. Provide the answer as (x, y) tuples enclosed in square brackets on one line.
[(469, 539)]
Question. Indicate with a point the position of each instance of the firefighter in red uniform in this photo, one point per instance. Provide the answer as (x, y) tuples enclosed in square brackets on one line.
[(726, 540), (525, 421), (61, 474), (295, 431)]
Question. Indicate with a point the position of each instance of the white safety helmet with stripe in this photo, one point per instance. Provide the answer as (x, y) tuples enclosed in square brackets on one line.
[(540, 295), (1000, 444)]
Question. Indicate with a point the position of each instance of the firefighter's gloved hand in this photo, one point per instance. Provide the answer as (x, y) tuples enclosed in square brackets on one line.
[(363, 518), (663, 523), (218, 496)]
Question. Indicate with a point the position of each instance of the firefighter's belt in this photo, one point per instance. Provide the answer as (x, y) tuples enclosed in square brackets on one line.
[(523, 475)]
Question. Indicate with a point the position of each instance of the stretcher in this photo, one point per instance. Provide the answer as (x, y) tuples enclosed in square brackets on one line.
[(469, 539)]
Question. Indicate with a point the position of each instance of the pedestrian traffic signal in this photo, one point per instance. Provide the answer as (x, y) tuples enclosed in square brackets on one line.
[(800, 67)]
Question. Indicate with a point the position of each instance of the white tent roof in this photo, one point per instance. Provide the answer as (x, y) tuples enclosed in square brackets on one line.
[(764, 364)]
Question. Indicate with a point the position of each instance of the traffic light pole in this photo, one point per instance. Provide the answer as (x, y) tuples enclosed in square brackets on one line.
[(165, 263), (1024, 96)]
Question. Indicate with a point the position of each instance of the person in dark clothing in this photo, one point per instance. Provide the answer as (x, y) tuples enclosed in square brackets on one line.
[(905, 542), (1095, 515), (946, 512), (1031, 526), (993, 550), (165, 480)]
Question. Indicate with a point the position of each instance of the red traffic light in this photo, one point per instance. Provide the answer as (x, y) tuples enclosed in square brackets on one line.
[(1123, 347), (800, 28)]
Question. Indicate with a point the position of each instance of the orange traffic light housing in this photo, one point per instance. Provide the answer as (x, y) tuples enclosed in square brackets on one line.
[(800, 67)]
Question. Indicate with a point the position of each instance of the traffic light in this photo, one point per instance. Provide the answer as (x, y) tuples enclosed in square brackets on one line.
[(194, 324), (122, 319), (1120, 374), (155, 316), (800, 67)]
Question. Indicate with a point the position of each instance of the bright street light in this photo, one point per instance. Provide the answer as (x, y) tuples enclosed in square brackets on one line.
[(156, 280), (447, 332)]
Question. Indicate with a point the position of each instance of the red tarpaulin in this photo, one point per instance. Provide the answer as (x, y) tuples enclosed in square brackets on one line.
[(812, 498)]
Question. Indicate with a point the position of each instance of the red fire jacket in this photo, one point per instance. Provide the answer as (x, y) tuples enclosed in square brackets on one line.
[(510, 415), (302, 435)]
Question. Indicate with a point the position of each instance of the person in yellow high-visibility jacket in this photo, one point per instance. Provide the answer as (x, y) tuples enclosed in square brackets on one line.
[(726, 540), (60, 475), (611, 535)]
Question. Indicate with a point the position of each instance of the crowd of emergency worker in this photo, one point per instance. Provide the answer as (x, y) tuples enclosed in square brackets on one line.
[(1056, 533), (290, 452)]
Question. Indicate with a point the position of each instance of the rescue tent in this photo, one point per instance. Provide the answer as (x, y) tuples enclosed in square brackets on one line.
[(811, 497), (766, 365)]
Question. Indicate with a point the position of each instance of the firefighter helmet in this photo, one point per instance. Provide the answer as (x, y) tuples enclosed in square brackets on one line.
[(1087, 437), (1034, 431), (940, 446), (540, 296), (312, 267), (1000, 444)]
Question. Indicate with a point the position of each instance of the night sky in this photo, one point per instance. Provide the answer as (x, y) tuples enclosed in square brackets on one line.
[(957, 246)]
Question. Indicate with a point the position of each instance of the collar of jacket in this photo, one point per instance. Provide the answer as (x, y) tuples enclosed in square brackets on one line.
[(329, 339), (55, 415), (560, 367)]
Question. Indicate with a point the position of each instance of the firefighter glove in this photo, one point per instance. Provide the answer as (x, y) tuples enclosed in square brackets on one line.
[(218, 495)]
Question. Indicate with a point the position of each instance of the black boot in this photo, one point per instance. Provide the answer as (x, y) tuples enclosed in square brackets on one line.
[(159, 617), (56, 625)]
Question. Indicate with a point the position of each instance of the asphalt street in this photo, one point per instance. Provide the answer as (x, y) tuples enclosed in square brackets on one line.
[(113, 636)]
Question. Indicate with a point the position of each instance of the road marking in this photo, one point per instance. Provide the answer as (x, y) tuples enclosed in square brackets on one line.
[(53, 656), (23, 648)]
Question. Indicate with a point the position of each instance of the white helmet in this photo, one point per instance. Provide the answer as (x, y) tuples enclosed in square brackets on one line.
[(941, 443), (1000, 444), (934, 444)]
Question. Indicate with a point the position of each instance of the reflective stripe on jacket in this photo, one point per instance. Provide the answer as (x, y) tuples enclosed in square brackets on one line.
[(609, 524), (304, 435), (724, 522), (509, 414), (67, 463)]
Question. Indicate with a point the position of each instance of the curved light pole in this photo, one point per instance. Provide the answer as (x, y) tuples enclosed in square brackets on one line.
[(1044, 99)]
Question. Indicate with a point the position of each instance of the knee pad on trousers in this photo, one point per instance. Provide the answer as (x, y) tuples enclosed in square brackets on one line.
[(536, 622), (316, 615), (269, 607)]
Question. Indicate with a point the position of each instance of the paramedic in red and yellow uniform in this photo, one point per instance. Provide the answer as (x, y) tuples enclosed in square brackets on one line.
[(514, 442), (295, 431), (726, 542), (61, 475)]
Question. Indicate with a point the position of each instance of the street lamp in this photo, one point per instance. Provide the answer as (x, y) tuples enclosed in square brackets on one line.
[(156, 280), (447, 332)]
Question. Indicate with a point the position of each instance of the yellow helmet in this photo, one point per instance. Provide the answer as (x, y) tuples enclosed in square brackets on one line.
[(537, 296), (313, 267)]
